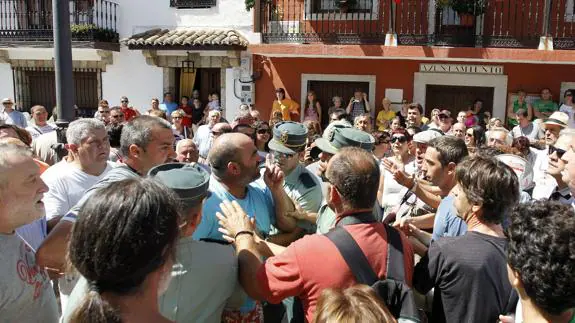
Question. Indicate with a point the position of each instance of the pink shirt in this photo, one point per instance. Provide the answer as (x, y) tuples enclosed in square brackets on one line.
[(313, 263)]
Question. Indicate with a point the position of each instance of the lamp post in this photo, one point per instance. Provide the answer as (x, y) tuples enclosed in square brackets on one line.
[(63, 70)]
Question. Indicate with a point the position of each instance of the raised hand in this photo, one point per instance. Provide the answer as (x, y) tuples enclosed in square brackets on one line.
[(273, 175)]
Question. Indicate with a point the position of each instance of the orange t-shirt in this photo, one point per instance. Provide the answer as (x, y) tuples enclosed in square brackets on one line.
[(288, 108)]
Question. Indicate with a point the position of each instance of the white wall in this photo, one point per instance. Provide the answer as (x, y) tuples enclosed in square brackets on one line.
[(129, 75), (136, 16), (232, 102), (6, 81)]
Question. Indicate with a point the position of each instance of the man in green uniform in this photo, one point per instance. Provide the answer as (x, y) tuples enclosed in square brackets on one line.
[(544, 107), (204, 276)]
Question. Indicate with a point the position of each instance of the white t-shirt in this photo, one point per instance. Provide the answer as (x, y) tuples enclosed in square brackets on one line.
[(67, 184), (393, 192), (37, 131)]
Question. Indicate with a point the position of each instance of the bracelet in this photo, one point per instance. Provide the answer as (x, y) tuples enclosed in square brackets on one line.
[(243, 232)]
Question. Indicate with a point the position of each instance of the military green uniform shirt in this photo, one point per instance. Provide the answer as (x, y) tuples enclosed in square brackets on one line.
[(304, 188)]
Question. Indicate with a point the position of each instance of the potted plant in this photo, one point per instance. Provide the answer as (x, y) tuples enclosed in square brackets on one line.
[(468, 10), (345, 5)]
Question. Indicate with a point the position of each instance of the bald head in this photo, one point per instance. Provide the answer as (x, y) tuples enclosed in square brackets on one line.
[(225, 149), (222, 128)]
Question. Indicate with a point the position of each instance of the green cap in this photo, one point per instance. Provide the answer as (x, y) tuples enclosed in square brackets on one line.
[(288, 137), (189, 182), (342, 135)]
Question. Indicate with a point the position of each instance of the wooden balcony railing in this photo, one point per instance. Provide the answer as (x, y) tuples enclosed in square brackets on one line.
[(499, 23), (31, 20)]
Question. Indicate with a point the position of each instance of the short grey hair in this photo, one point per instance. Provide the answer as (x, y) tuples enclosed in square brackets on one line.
[(10, 150), (184, 142), (139, 132), (508, 138), (80, 129)]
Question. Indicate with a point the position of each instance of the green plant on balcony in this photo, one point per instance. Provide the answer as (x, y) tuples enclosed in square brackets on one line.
[(93, 32), (467, 7)]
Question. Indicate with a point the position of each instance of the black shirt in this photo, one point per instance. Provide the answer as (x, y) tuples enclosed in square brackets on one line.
[(469, 274)]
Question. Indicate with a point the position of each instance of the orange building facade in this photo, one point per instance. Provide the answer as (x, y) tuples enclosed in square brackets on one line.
[(414, 50)]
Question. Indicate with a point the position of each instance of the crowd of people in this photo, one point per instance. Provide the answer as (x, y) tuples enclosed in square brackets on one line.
[(175, 214)]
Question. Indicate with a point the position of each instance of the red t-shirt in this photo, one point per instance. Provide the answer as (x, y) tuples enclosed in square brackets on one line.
[(313, 263), (129, 113), (187, 121)]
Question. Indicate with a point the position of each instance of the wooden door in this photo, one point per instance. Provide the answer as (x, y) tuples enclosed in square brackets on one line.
[(209, 82), (326, 90), (457, 98)]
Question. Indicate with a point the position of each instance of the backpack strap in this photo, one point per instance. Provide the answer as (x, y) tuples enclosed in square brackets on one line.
[(395, 261), (353, 256)]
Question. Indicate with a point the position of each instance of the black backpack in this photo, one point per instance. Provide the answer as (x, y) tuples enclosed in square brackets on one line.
[(393, 290)]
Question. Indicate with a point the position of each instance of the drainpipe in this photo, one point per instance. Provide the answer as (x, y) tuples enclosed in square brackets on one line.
[(546, 41)]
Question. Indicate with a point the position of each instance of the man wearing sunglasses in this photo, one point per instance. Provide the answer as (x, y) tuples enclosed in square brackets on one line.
[(544, 185), (557, 151), (129, 112)]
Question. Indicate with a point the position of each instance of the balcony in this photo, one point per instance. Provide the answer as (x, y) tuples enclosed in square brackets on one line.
[(499, 23), (28, 23)]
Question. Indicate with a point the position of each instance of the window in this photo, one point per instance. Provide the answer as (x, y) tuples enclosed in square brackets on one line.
[(342, 9), (192, 4), (570, 11)]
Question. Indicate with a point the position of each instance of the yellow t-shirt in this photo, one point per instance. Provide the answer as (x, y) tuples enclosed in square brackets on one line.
[(384, 116), (288, 108)]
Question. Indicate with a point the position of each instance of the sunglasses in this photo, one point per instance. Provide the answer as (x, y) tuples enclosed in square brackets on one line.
[(280, 155), (442, 116), (401, 139), (176, 118), (568, 94), (118, 116), (263, 131), (560, 152), (124, 101), (469, 134)]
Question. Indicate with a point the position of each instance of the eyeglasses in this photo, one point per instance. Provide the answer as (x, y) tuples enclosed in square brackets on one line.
[(263, 131), (442, 116), (560, 152), (469, 134), (401, 139), (279, 155)]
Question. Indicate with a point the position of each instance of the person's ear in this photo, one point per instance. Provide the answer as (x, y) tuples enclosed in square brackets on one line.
[(134, 150), (451, 168), (71, 147), (234, 168)]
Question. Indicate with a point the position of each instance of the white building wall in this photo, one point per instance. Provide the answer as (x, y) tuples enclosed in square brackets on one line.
[(136, 16), (6, 81), (232, 102), (129, 75)]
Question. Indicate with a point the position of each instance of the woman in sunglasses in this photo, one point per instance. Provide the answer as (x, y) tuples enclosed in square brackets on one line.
[(180, 131), (263, 136), (390, 191), (474, 138)]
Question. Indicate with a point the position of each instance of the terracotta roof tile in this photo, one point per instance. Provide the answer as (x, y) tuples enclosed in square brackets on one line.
[(187, 37)]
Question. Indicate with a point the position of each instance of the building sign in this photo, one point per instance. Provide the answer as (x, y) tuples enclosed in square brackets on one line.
[(461, 69)]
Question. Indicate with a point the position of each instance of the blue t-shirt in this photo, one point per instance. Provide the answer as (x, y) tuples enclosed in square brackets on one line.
[(447, 223), (257, 203), (169, 107)]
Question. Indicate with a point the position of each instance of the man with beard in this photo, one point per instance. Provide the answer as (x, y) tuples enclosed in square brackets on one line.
[(234, 162), (146, 142), (544, 184)]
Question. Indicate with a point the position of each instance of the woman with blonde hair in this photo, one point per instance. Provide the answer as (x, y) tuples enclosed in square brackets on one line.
[(356, 304), (384, 116), (180, 131)]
